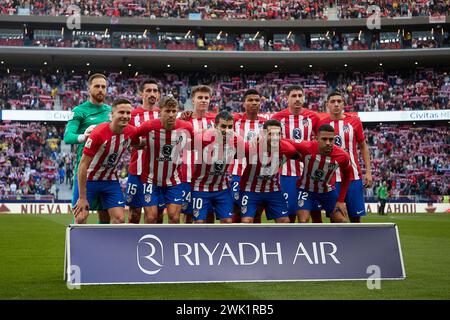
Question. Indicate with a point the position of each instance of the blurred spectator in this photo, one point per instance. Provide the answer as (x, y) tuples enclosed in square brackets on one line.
[(418, 89)]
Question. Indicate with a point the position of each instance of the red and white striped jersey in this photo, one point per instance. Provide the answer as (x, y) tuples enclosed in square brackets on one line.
[(211, 170), (138, 117), (262, 170), (297, 128), (106, 148), (247, 129), (318, 173), (189, 156), (348, 134), (164, 149)]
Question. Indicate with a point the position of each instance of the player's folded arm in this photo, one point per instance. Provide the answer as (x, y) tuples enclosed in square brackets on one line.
[(71, 135)]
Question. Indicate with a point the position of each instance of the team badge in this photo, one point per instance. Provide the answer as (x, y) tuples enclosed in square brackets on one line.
[(148, 197), (305, 122), (346, 128), (301, 203), (244, 209), (236, 195), (250, 135), (196, 213), (184, 206), (129, 199)]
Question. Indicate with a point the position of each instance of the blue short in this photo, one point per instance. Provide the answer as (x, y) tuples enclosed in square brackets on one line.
[(219, 202), (94, 205), (310, 201), (274, 204), (354, 198), (139, 194), (167, 195), (290, 192), (186, 206), (234, 190), (109, 192)]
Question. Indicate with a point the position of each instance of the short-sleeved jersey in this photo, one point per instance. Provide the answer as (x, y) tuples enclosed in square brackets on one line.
[(247, 129), (297, 128), (164, 149), (348, 134), (84, 116), (211, 170), (189, 156), (261, 173), (318, 172), (106, 148), (138, 117)]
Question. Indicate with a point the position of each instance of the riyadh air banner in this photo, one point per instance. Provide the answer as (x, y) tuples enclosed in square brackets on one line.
[(135, 254)]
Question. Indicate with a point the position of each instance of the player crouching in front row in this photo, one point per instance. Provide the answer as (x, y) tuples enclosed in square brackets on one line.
[(97, 175), (321, 159)]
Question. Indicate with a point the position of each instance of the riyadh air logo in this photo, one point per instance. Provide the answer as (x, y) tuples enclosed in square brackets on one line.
[(338, 141), (167, 150), (149, 254), (297, 134)]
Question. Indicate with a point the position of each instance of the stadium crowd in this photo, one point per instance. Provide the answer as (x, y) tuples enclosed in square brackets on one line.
[(419, 89), (31, 160), (227, 9), (425, 174), (38, 166)]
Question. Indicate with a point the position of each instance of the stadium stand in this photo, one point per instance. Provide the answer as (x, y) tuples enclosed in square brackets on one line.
[(33, 167), (228, 9), (420, 89), (425, 175)]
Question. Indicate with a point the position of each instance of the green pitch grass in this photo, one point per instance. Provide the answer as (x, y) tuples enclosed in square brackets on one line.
[(32, 258)]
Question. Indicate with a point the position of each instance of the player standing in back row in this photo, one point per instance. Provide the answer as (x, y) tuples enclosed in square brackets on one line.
[(298, 124), (78, 129), (201, 120), (137, 197), (247, 125), (349, 135)]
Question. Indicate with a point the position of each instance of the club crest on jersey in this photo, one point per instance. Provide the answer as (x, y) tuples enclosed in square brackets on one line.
[(196, 213), (148, 198), (297, 134), (319, 175), (244, 209), (305, 122), (184, 206), (251, 135), (129, 198), (209, 126), (338, 141), (346, 128), (301, 203), (236, 196)]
